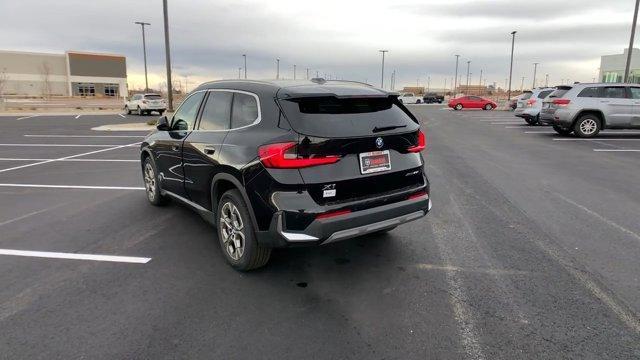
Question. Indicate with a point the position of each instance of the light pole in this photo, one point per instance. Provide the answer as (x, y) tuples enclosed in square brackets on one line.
[(513, 41), (307, 73), (144, 51), (444, 89), (633, 31), (294, 71), (239, 72), (167, 50), (535, 69), (382, 76), (546, 80), (277, 69), (468, 66), (480, 88), (455, 85), (428, 83), (522, 85), (245, 65)]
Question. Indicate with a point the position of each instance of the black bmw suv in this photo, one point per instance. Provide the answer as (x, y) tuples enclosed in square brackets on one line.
[(281, 163)]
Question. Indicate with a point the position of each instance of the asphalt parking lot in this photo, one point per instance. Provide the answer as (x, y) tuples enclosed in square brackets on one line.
[(530, 251)]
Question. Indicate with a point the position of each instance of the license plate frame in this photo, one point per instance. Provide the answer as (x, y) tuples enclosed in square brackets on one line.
[(366, 167)]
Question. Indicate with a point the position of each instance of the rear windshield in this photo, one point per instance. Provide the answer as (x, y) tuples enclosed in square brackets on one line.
[(526, 95), (153, 97), (544, 94), (559, 92), (334, 117)]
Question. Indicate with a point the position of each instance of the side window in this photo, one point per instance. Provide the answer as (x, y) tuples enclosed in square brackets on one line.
[(217, 111), (245, 110), (544, 94), (635, 92), (589, 92), (614, 93), (185, 117)]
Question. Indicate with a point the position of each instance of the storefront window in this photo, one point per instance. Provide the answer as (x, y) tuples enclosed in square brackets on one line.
[(111, 89)]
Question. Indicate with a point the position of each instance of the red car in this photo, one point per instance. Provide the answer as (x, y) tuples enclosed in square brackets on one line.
[(472, 102)]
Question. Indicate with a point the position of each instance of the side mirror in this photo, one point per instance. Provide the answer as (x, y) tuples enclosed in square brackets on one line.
[(163, 124)]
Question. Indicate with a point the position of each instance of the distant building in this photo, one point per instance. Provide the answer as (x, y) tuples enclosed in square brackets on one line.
[(70, 74), (472, 89), (413, 89), (612, 67)]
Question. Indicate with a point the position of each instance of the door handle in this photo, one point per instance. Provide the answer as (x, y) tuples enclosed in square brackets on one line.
[(209, 150), (175, 147)]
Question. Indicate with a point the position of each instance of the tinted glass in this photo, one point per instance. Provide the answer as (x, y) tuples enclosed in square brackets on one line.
[(635, 92), (153, 97), (217, 111), (526, 95), (185, 117), (559, 93), (245, 110), (544, 94), (474, 98), (346, 117), (614, 93), (589, 92)]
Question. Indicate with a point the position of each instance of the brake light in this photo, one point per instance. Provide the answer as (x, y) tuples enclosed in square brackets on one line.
[(283, 156), (331, 214), (422, 143), (417, 195), (561, 102), (530, 102)]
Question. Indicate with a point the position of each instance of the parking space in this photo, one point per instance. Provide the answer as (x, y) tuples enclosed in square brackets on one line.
[(531, 248)]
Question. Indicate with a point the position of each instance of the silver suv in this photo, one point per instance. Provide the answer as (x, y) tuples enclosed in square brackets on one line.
[(529, 105), (585, 109)]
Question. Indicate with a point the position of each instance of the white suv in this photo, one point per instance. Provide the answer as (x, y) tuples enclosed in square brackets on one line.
[(530, 103), (409, 98), (145, 103)]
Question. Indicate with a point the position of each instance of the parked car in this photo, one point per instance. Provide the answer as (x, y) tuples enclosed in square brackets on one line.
[(283, 164), (432, 98), (529, 106), (472, 102), (586, 109), (145, 103), (409, 98)]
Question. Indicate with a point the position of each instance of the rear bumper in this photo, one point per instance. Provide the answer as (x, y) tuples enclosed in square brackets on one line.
[(559, 117), (346, 226)]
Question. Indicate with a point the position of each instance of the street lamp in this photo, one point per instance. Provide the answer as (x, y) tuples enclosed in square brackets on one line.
[(535, 69), (546, 80), (294, 71), (513, 41), (277, 69), (165, 11), (633, 31), (382, 76), (455, 85), (468, 74), (245, 65), (239, 72), (144, 51)]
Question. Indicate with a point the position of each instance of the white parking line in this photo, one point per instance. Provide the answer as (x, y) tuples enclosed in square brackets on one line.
[(78, 160), (44, 186), (595, 139), (76, 256), (77, 116), (122, 116), (26, 117), (64, 145), (617, 150), (67, 157), (540, 132), (506, 123), (85, 136)]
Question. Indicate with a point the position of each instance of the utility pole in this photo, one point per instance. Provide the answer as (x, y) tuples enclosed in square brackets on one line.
[(456, 77), (294, 71), (382, 75), (468, 74), (513, 42), (144, 51), (546, 80), (428, 83), (277, 68), (167, 50), (307, 73), (239, 72), (522, 85), (535, 69), (633, 31), (245, 65), (480, 88)]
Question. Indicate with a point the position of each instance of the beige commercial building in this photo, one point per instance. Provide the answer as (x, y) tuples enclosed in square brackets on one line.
[(612, 67), (73, 73)]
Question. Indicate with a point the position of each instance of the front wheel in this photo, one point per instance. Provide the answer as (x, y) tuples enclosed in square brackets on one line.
[(127, 110), (236, 234), (587, 126), (458, 107), (562, 131), (488, 107), (418, 101), (151, 183)]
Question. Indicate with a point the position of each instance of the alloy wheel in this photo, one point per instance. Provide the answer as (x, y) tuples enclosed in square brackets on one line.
[(150, 181), (588, 126), (231, 229)]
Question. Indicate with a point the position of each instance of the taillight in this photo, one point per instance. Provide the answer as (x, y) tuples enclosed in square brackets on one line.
[(530, 102), (283, 156), (422, 143), (561, 102), (417, 195), (331, 214)]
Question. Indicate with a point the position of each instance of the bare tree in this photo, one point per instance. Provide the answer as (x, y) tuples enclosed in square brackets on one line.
[(45, 72)]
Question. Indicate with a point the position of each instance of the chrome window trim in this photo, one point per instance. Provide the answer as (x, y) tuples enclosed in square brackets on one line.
[(255, 122)]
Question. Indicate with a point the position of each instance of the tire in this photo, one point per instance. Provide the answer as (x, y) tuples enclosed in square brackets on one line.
[(536, 120), (587, 126), (151, 183), (488, 107), (127, 110), (458, 107), (418, 101), (161, 112), (139, 112), (236, 234), (562, 131), (529, 121)]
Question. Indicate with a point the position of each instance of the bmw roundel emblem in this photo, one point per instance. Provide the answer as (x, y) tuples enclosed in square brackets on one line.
[(379, 143)]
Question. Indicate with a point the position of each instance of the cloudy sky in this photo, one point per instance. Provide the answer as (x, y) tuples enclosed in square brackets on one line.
[(340, 38)]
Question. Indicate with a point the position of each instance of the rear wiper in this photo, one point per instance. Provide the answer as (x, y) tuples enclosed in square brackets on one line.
[(386, 128)]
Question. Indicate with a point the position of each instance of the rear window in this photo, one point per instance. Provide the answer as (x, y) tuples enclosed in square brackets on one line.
[(559, 93), (526, 95), (544, 94), (153, 97), (338, 117), (589, 92)]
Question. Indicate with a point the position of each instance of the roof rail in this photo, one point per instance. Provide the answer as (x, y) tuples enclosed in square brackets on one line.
[(352, 81)]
